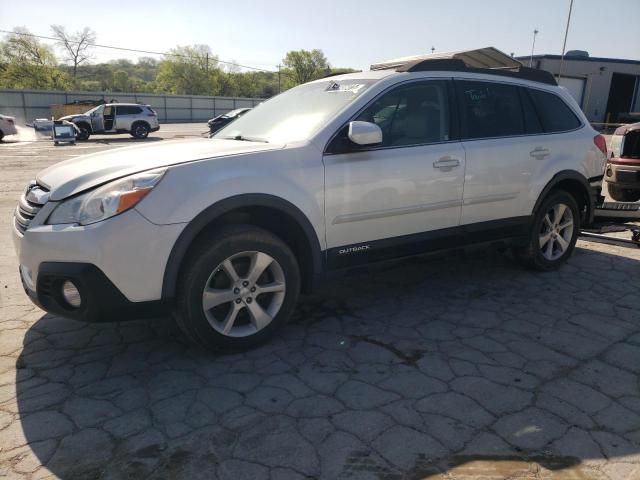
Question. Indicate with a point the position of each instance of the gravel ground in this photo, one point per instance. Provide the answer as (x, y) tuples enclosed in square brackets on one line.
[(461, 366)]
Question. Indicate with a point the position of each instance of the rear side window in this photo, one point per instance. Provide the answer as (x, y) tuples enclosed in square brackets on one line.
[(555, 115), (490, 109), (532, 123), (129, 110)]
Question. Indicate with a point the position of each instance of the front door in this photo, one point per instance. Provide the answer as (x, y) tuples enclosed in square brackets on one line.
[(388, 200), (97, 121)]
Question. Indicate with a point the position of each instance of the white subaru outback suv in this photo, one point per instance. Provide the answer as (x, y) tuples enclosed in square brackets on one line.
[(226, 232)]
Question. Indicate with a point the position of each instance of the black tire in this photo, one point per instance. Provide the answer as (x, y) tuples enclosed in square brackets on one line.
[(620, 194), (532, 255), (84, 131), (56, 143), (200, 269), (1, 135), (140, 130)]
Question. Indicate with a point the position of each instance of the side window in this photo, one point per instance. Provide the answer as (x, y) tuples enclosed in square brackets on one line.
[(128, 110), (532, 122), (108, 111), (554, 114), (413, 114), (489, 109)]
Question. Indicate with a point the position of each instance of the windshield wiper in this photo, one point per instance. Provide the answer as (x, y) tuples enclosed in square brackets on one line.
[(246, 139)]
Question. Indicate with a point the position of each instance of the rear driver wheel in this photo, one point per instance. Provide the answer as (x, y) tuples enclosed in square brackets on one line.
[(554, 233), (140, 130), (237, 289)]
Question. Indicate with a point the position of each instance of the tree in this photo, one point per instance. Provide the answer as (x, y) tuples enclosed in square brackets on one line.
[(120, 81), (188, 70), (75, 46), (27, 63), (305, 65)]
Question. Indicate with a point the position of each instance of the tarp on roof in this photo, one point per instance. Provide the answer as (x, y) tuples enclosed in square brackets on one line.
[(488, 57)]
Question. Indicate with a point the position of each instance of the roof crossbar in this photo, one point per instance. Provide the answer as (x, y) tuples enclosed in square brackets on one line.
[(457, 65)]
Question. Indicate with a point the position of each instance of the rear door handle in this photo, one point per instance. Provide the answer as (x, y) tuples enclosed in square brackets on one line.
[(539, 153), (446, 163)]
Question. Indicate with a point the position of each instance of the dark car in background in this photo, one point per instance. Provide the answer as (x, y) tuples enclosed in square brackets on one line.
[(216, 123)]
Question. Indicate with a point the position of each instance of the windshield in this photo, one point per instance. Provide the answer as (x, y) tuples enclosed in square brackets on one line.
[(296, 114), (95, 109)]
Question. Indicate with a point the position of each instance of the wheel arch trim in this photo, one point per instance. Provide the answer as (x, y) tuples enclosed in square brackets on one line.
[(215, 211), (573, 176), (84, 122)]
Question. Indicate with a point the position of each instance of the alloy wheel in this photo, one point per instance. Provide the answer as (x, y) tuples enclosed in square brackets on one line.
[(556, 232), (141, 131), (244, 293)]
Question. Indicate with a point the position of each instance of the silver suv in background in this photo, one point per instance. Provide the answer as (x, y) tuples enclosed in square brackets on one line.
[(133, 118)]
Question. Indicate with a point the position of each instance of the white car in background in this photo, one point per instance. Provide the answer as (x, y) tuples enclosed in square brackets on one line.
[(7, 126)]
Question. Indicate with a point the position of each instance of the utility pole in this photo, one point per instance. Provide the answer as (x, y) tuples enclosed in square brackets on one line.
[(207, 64), (533, 46), (278, 78), (564, 44)]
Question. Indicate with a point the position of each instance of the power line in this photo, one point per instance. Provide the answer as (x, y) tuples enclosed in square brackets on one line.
[(136, 51)]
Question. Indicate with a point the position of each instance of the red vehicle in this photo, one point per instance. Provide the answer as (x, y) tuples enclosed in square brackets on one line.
[(623, 167)]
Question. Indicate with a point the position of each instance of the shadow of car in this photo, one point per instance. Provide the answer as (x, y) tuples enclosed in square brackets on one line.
[(462, 363)]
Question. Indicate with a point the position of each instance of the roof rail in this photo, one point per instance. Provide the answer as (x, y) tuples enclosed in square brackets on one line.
[(457, 65)]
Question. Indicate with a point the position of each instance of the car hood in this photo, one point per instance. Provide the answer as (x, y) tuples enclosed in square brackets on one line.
[(82, 173), (76, 116)]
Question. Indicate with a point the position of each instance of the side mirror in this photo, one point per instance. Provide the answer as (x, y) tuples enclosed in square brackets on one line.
[(364, 133)]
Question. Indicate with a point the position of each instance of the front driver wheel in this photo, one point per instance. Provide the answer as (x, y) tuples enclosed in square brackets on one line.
[(83, 132), (237, 289), (554, 233)]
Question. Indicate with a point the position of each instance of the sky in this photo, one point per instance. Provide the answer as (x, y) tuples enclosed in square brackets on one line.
[(352, 33)]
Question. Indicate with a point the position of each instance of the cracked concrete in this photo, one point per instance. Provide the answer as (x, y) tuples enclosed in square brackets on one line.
[(456, 367)]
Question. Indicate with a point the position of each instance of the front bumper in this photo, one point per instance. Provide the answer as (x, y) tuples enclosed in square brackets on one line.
[(101, 301), (625, 176), (155, 129), (118, 264)]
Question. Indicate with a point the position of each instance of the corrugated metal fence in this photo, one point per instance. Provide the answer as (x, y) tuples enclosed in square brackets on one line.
[(27, 105)]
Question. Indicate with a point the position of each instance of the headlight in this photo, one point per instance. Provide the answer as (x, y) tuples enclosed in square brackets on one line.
[(106, 201)]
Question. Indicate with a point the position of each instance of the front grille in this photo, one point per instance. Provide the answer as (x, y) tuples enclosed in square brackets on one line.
[(628, 177), (30, 203)]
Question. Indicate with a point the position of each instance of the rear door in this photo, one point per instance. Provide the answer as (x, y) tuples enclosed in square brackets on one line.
[(502, 159), (126, 115), (381, 200)]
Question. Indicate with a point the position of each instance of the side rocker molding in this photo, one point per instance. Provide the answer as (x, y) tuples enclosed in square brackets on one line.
[(573, 176), (204, 218)]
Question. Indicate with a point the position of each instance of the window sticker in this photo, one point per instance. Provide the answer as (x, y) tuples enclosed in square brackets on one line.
[(344, 87)]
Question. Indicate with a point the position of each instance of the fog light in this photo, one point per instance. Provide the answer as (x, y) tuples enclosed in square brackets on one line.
[(71, 294)]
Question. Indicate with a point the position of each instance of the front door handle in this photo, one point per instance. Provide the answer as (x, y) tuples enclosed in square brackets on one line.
[(539, 153), (446, 163)]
